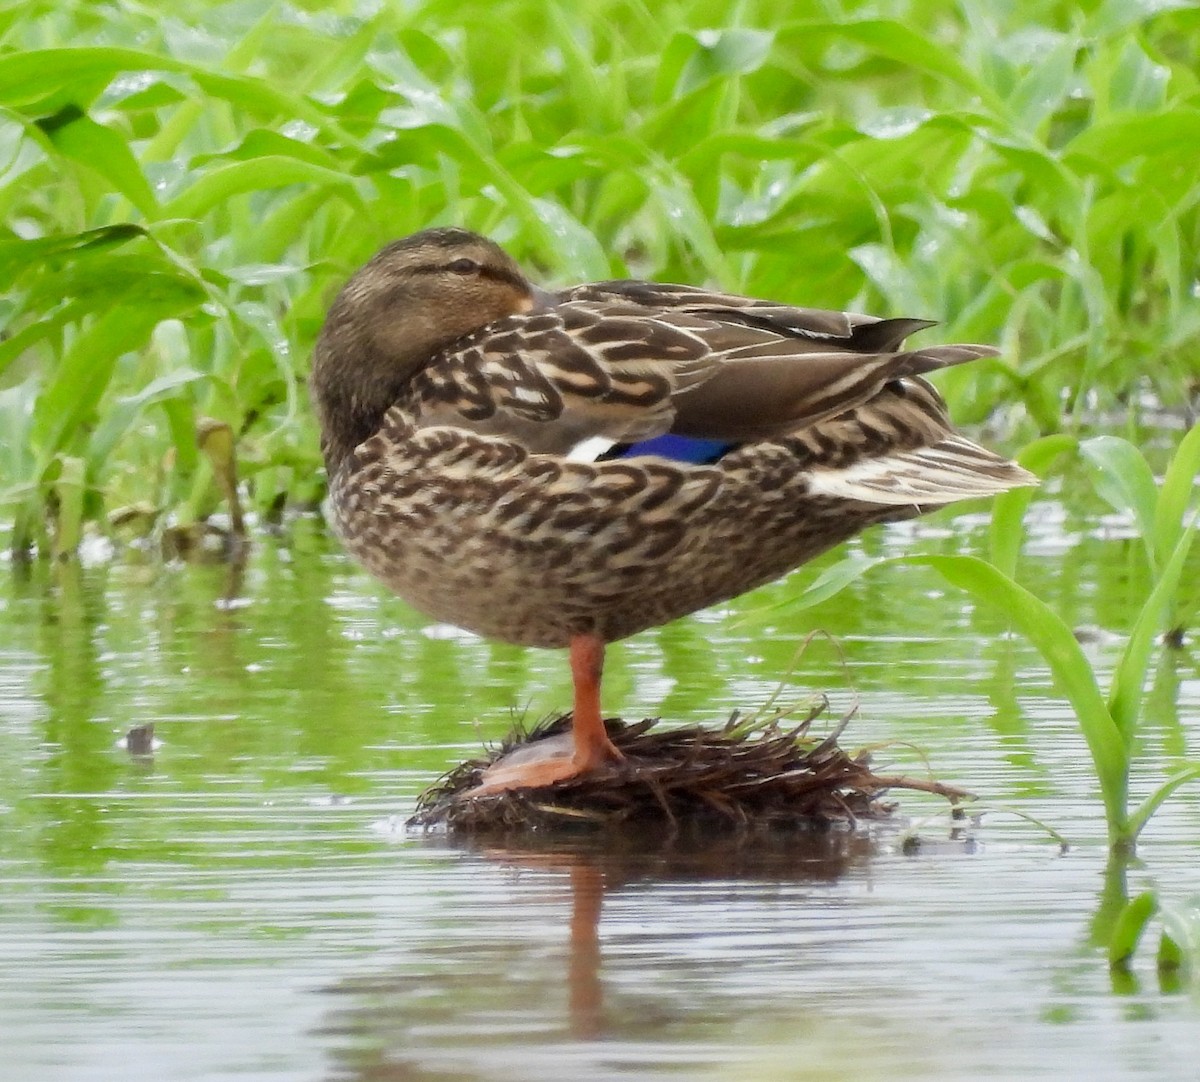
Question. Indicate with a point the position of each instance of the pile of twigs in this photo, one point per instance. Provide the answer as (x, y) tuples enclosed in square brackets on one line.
[(765, 774)]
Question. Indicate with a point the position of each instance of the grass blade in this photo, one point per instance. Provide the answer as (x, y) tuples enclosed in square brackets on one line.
[(86, 368), (1130, 924), (1141, 815), (1129, 680), (1178, 490), (77, 136), (1007, 531), (1123, 478), (1062, 653)]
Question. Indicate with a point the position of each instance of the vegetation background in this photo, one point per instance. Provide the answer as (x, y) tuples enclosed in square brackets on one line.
[(184, 186)]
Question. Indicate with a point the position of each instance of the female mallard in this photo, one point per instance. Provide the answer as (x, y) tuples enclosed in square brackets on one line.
[(566, 469)]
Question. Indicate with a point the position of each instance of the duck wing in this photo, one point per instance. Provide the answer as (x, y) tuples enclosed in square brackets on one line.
[(622, 362), (779, 368)]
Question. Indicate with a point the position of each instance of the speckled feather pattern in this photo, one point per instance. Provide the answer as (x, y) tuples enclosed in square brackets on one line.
[(531, 549), (464, 497)]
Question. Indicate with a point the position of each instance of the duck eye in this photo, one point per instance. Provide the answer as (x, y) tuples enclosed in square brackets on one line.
[(463, 266)]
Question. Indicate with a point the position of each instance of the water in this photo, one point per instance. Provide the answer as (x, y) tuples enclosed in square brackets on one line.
[(245, 905)]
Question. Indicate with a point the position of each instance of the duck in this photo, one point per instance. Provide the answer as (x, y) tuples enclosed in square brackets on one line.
[(566, 468)]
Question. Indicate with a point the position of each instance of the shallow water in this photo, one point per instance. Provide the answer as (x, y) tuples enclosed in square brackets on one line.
[(245, 904)]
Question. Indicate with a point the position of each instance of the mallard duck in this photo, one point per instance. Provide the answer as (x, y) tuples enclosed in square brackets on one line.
[(568, 468)]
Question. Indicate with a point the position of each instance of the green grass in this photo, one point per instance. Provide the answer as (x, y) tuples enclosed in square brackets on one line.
[(184, 186)]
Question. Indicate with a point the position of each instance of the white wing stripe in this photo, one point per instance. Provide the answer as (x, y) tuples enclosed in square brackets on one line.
[(930, 475), (590, 449)]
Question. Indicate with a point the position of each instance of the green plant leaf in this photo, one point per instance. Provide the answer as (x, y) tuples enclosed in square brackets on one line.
[(1170, 954), (70, 486), (1129, 679), (16, 454), (892, 39), (257, 174), (1141, 815), (118, 419), (833, 580), (718, 53), (85, 369), (1122, 138), (1007, 531), (59, 77), (31, 334), (18, 257), (1127, 930), (1181, 929), (77, 136), (1123, 477), (1062, 653), (1178, 490), (72, 73), (1114, 16)]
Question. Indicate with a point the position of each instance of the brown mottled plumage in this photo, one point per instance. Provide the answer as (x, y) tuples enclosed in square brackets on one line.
[(477, 430)]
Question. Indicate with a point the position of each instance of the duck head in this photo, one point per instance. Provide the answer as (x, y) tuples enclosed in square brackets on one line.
[(414, 298)]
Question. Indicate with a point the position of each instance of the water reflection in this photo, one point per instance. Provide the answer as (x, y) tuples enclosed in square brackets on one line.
[(816, 956), (391, 1027), (597, 866)]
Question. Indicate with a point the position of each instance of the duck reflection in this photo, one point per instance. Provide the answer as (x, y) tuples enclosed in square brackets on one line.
[(467, 996), (594, 867)]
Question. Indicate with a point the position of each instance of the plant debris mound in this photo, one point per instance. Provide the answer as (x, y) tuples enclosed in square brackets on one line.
[(747, 775)]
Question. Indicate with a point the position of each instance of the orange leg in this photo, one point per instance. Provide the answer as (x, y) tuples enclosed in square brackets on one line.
[(592, 746), (548, 761)]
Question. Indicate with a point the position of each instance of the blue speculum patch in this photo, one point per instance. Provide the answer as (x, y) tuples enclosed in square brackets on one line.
[(691, 449)]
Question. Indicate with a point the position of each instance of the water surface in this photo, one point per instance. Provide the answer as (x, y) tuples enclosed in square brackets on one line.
[(245, 904)]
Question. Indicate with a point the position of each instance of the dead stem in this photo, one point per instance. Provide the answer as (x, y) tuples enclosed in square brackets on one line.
[(749, 774)]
